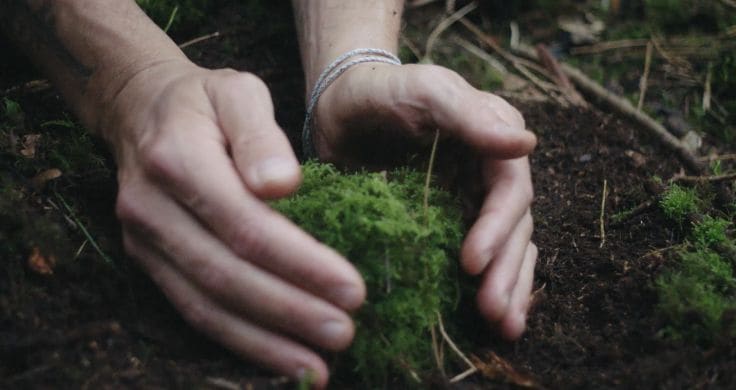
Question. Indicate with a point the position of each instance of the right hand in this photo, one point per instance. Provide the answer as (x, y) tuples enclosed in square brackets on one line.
[(198, 153)]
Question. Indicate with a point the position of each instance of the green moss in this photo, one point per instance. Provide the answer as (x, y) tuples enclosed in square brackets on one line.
[(678, 202), (408, 262), (699, 290), (695, 295), (711, 231)]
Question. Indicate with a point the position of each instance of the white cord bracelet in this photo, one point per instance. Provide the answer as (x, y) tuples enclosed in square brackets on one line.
[(330, 74)]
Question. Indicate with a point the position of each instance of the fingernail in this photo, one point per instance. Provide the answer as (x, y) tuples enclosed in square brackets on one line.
[(334, 330), (274, 170)]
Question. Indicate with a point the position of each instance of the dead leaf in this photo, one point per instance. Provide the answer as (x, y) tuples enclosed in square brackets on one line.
[(40, 180), (497, 368), (29, 144), (40, 264)]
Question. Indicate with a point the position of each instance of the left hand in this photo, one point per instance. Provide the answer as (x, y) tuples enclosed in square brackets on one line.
[(374, 101)]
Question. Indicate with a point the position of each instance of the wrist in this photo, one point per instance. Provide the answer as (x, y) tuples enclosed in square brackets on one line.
[(124, 105)]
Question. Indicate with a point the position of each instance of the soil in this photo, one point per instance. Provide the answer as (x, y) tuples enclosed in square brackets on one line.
[(593, 325)]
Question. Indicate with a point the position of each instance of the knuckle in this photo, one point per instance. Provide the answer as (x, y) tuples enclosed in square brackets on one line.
[(127, 208), (158, 159), (196, 314), (246, 240), (212, 277)]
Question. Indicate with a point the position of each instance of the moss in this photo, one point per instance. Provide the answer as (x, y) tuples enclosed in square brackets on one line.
[(678, 202), (695, 295), (711, 231), (698, 292), (408, 262)]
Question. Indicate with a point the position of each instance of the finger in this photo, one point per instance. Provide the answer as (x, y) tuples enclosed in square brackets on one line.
[(510, 194), (484, 121), (202, 177), (494, 297), (514, 324), (262, 153), (239, 284), (243, 337)]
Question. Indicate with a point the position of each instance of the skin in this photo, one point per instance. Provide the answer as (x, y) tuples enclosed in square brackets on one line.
[(199, 152)]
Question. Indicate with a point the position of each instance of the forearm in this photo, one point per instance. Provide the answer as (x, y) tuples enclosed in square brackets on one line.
[(329, 28), (88, 48)]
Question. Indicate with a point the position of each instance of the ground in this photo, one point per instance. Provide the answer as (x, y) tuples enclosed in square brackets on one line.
[(99, 324)]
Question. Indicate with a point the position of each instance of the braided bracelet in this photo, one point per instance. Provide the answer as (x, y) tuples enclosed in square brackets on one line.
[(330, 74)]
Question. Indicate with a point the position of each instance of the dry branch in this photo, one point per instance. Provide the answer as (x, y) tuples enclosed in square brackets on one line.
[(627, 110), (645, 76)]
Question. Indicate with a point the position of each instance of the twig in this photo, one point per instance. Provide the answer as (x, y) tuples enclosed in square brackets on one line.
[(419, 3), (707, 89), (444, 25), (222, 383), (81, 227), (81, 248), (430, 167), (643, 81), (446, 337), (560, 78), (519, 64), (199, 39), (624, 107), (610, 45), (721, 157), (171, 18), (436, 352), (705, 179), (480, 53), (638, 209), (601, 219)]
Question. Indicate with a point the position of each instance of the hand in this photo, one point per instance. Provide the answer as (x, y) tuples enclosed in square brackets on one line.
[(198, 151), (382, 103)]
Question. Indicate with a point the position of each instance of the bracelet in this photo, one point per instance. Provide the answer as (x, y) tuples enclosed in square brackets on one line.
[(330, 74)]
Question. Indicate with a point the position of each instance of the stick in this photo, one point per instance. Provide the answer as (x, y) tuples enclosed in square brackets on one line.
[(645, 76), (628, 111), (436, 352), (430, 166), (707, 89), (442, 26), (601, 219), (721, 157), (200, 39), (610, 45), (560, 78), (446, 337), (519, 64), (480, 53), (705, 179)]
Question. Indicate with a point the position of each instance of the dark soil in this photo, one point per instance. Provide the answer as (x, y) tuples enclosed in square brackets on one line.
[(92, 325)]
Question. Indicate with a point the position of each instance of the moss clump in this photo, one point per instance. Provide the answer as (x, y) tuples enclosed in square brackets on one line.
[(678, 202), (407, 261), (697, 295)]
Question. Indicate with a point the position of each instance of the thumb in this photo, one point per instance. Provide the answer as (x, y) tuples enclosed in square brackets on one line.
[(483, 120), (260, 149)]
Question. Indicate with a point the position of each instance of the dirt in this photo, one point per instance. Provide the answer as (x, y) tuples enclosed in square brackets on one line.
[(593, 324)]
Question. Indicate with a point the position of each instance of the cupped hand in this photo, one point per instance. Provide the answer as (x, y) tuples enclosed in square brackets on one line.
[(383, 103), (198, 153)]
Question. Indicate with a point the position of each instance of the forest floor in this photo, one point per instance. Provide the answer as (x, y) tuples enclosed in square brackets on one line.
[(97, 322)]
